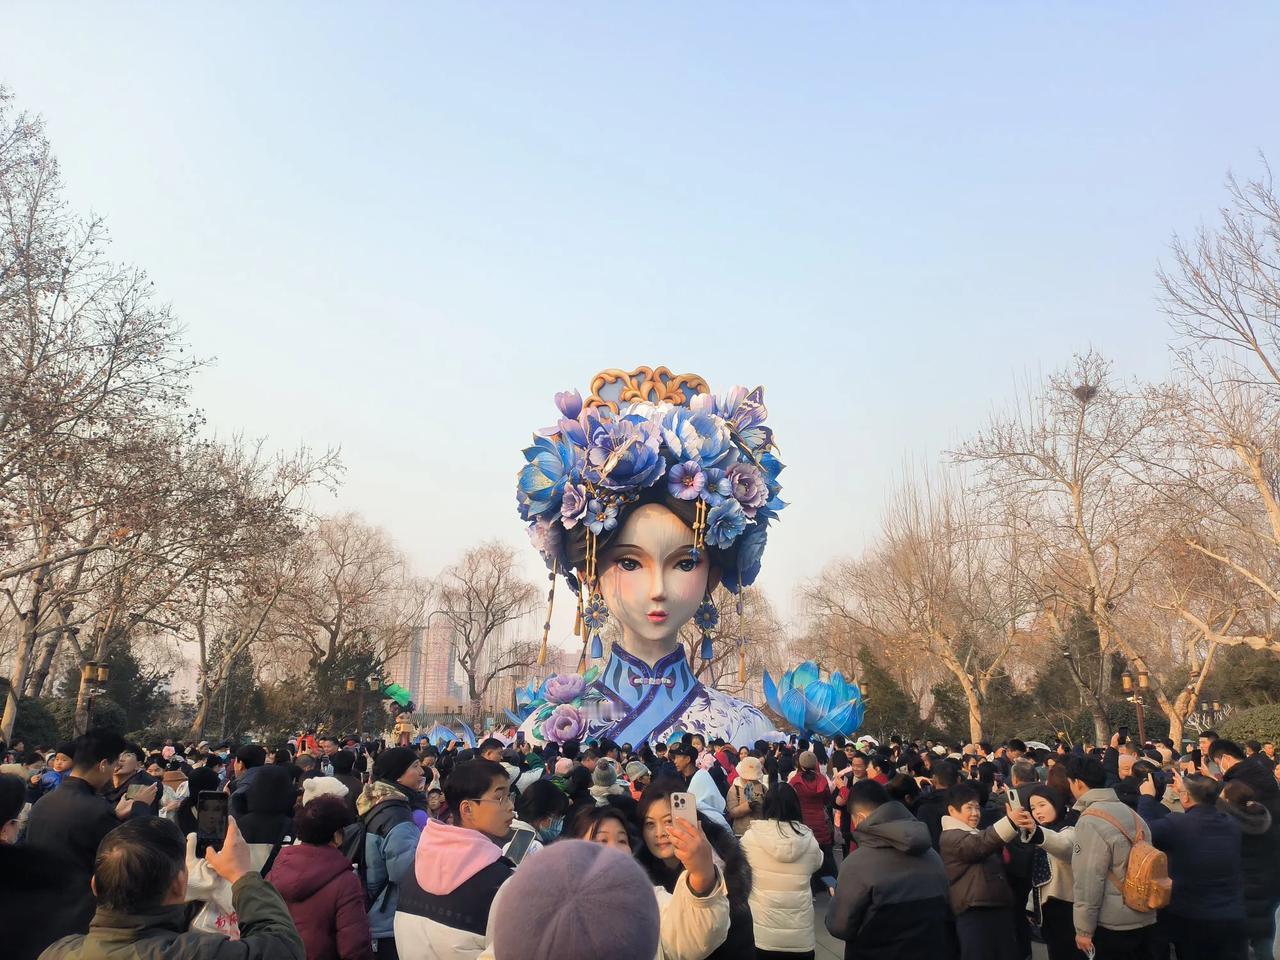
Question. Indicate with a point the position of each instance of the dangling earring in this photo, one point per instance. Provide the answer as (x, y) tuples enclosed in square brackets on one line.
[(706, 617), (594, 618)]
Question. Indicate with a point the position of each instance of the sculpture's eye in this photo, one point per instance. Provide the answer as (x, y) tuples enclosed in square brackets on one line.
[(629, 563), (688, 565)]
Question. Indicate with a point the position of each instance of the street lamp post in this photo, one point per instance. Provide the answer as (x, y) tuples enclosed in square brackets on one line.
[(93, 677), (1135, 696)]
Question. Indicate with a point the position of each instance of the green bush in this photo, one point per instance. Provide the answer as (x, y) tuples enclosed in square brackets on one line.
[(1256, 723)]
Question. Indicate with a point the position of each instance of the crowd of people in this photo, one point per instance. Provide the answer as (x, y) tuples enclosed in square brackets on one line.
[(337, 849)]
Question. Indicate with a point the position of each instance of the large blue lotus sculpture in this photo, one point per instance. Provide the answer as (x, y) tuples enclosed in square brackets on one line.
[(813, 705)]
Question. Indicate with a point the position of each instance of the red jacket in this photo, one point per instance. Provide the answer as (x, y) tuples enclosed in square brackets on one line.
[(814, 796), (325, 900)]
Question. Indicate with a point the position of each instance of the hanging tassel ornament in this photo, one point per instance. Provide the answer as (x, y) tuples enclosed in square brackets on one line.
[(551, 604), (742, 645), (705, 618), (596, 613)]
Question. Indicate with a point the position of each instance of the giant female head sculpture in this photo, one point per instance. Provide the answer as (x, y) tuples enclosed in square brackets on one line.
[(649, 493), (645, 496)]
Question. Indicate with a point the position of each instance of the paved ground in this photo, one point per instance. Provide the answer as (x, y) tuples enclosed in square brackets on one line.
[(829, 948)]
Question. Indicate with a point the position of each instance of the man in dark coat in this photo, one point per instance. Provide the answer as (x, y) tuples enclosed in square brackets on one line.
[(932, 806), (69, 823), (891, 898), (140, 881), (1205, 917), (1263, 850)]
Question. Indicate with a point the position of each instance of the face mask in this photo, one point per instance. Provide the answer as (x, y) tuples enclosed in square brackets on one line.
[(552, 830)]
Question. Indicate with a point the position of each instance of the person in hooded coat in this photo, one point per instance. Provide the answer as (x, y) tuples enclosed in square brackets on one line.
[(891, 900), (319, 887), (1238, 800), (783, 854)]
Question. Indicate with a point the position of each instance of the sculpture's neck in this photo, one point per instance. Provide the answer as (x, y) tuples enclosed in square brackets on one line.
[(649, 651)]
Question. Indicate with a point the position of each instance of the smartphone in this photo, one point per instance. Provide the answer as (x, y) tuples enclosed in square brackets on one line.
[(684, 806), (520, 737), (1123, 735), (211, 820), (519, 845), (134, 789), (1012, 798)]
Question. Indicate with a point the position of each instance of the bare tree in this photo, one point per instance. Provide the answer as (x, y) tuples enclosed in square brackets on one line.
[(484, 598), (926, 587), (1223, 461), (1070, 457)]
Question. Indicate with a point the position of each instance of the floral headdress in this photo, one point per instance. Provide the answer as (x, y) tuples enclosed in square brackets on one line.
[(649, 434)]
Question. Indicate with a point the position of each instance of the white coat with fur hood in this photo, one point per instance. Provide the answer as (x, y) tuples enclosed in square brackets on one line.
[(783, 856)]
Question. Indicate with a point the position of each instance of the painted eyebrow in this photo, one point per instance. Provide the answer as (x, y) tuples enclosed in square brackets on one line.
[(631, 546)]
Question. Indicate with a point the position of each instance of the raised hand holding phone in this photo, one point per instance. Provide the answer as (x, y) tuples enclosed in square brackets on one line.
[(693, 850)]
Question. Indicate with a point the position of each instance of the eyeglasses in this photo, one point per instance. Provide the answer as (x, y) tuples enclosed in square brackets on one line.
[(503, 801)]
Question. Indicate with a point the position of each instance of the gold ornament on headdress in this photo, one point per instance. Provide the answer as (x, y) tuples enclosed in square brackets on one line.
[(609, 388)]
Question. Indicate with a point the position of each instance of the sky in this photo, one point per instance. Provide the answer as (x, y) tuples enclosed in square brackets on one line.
[(401, 228)]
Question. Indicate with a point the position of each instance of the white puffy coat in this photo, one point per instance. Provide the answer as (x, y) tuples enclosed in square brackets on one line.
[(783, 856)]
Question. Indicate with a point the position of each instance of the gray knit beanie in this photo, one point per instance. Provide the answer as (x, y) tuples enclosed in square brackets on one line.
[(572, 892)]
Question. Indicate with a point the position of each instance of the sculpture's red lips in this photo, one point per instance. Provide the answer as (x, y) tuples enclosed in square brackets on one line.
[(657, 616)]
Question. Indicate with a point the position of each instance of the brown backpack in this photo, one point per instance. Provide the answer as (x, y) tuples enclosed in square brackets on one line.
[(1146, 885)]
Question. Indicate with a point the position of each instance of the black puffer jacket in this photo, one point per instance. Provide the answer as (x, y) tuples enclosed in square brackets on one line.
[(891, 899), (1258, 862)]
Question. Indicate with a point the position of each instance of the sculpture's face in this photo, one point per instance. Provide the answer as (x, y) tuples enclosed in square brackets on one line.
[(649, 578)]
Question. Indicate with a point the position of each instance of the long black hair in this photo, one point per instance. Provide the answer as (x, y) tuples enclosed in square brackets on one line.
[(783, 805), (736, 870)]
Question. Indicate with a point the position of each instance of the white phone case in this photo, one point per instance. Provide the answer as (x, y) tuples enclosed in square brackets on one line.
[(684, 807)]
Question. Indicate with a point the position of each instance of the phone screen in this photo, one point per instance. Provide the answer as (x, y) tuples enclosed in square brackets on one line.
[(1123, 734), (519, 846), (519, 736), (211, 820), (134, 789)]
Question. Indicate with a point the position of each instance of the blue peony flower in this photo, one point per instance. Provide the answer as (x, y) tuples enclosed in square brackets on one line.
[(725, 524), (696, 433), (626, 454), (813, 705), (600, 517), (686, 481), (718, 487), (541, 483)]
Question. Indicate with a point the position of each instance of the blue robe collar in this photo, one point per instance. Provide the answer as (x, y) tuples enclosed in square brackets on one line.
[(646, 699)]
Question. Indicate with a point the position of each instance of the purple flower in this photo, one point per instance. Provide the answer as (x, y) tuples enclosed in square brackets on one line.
[(574, 505), (565, 723), (749, 487), (685, 481), (725, 524), (600, 517), (569, 403), (564, 688)]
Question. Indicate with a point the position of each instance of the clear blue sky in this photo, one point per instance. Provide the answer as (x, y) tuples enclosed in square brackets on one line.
[(402, 227)]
